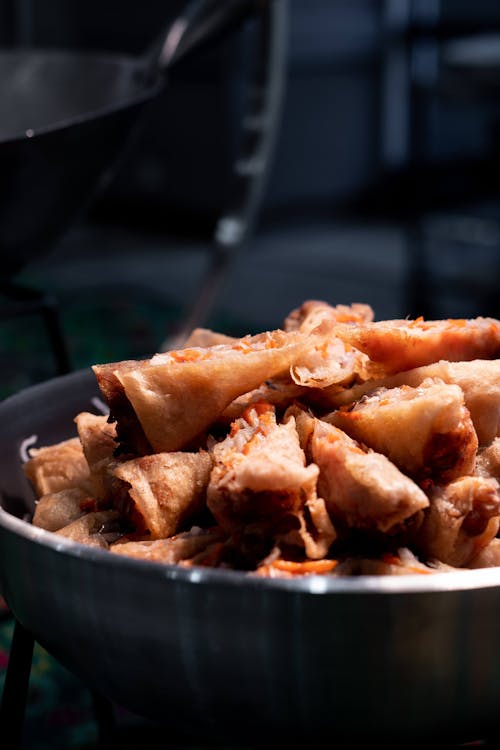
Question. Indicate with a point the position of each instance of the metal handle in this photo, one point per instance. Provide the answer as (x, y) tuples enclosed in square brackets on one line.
[(251, 166), (201, 23)]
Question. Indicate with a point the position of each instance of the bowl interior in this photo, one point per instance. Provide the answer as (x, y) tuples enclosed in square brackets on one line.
[(419, 653), (44, 414)]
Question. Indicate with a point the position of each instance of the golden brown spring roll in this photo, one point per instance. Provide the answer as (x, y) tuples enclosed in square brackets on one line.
[(183, 546), (463, 517), (404, 344), (58, 509), (362, 489), (479, 380), (261, 484), (163, 491), (426, 431), (58, 467), (178, 395), (312, 313), (93, 528)]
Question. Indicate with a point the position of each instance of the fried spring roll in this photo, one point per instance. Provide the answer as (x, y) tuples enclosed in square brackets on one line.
[(159, 493), (404, 344), (362, 489), (58, 509), (426, 431), (178, 395), (93, 528), (260, 484), (184, 546), (462, 519), (479, 380), (98, 438), (58, 467)]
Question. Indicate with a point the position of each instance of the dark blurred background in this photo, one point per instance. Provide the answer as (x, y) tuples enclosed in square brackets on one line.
[(383, 188)]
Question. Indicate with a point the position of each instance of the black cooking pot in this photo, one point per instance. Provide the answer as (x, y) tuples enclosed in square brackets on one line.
[(65, 116), (225, 655)]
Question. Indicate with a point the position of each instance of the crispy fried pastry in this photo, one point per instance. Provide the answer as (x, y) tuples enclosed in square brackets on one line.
[(488, 461), (426, 431), (184, 546), (58, 509), (312, 313), (94, 529), (129, 432), (206, 337), (162, 492), (404, 344), (260, 483), (335, 446), (479, 379), (98, 438), (58, 467), (463, 517), (488, 556), (362, 489), (178, 395)]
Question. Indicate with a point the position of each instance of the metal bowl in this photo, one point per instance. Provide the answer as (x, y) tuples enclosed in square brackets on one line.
[(229, 656)]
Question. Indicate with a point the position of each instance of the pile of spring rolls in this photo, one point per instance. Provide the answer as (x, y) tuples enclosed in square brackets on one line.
[(334, 445)]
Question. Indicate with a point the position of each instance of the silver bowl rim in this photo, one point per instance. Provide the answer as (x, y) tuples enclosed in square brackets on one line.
[(317, 584), (59, 56)]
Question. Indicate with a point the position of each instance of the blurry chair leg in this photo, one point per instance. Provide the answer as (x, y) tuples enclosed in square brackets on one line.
[(15, 696), (418, 295), (197, 315), (5, 613), (105, 719), (22, 301), (50, 312), (15, 691), (251, 165)]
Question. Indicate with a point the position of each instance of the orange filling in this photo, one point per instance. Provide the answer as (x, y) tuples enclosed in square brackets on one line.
[(306, 567)]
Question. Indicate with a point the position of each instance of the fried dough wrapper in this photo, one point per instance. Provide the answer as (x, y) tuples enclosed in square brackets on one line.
[(280, 392), (283, 568), (488, 461), (58, 467), (426, 431), (178, 395), (206, 337), (159, 493), (55, 510), (95, 529), (330, 361), (130, 435), (399, 563), (311, 313), (488, 556), (186, 546), (463, 518), (260, 484), (362, 489), (479, 380), (404, 344), (98, 438)]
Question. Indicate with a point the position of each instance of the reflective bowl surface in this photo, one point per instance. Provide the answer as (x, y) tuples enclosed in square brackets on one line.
[(222, 654)]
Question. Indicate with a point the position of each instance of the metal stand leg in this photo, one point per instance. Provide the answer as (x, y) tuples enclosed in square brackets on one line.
[(251, 165), (23, 301), (105, 718), (418, 297), (15, 696), (50, 312), (15, 691)]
